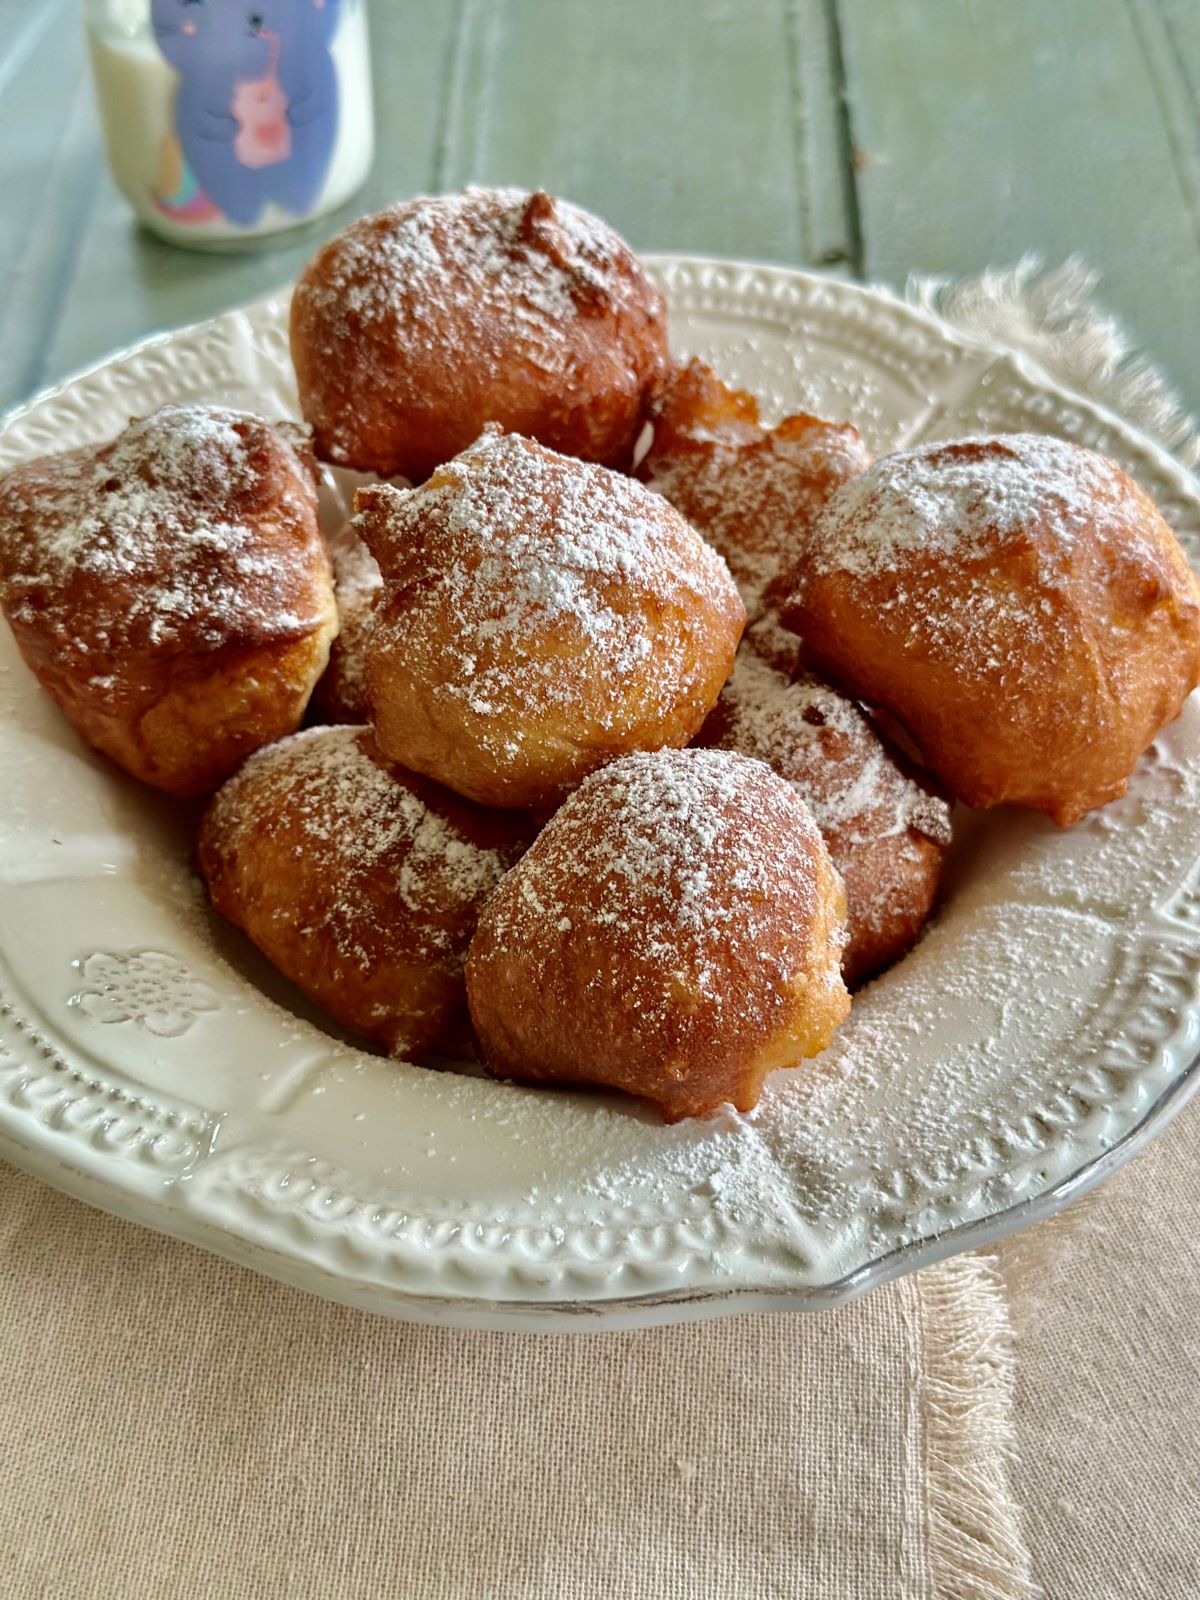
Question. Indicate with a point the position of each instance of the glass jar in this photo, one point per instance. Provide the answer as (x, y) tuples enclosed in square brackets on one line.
[(228, 121)]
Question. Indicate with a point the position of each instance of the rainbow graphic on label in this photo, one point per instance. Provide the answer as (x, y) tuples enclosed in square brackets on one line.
[(177, 194)]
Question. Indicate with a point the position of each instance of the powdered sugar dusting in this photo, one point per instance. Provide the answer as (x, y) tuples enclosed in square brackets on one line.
[(1013, 568), (493, 262), (964, 498), (957, 1086), (822, 743), (536, 582), (384, 844), (753, 492), (906, 1127), (873, 816), (683, 863), (156, 541), (900, 1112)]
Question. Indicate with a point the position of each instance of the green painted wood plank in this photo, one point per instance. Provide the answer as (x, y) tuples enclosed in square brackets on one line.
[(1161, 49), (1182, 20), (684, 122), (12, 13), (46, 172), (123, 283), (22, 28), (993, 128)]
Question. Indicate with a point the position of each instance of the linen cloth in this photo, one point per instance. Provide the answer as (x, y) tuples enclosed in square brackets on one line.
[(998, 1426), (173, 1425), (1105, 1302)]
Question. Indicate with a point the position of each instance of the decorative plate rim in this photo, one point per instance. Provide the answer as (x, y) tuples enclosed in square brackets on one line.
[(627, 1312)]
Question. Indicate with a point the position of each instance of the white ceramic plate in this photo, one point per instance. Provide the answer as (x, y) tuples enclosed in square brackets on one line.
[(1044, 1026)]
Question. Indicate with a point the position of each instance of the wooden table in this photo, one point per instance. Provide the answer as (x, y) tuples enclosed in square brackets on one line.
[(871, 137)]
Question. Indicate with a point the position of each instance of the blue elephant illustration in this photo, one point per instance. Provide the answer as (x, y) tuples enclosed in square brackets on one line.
[(257, 107)]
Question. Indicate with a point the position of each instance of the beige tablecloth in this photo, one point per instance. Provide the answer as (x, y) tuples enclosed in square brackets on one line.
[(173, 1425), (1004, 1426), (1105, 1306)]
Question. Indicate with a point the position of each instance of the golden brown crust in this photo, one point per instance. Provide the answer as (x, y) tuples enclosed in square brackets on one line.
[(675, 931), (416, 326), (341, 695), (171, 590), (203, 727), (540, 616), (885, 828), (1018, 604), (751, 491), (359, 881)]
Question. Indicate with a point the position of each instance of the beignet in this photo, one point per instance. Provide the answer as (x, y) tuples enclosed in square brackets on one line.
[(750, 490), (171, 590), (341, 694), (414, 327), (885, 829), (539, 617), (1017, 603), (675, 931), (359, 881)]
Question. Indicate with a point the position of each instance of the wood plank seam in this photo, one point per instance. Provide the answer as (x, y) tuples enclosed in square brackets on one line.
[(468, 99), (1177, 53), (67, 270), (484, 88), (846, 141), (454, 75)]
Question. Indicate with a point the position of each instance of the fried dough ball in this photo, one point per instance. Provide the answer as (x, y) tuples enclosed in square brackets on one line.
[(539, 617), (414, 327), (886, 831), (675, 931), (171, 590), (359, 881), (341, 695), (1018, 604), (751, 491)]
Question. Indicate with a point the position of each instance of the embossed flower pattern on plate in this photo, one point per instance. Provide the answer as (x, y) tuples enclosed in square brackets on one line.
[(150, 988)]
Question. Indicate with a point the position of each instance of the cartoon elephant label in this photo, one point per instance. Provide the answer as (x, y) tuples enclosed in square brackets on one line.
[(227, 121), (256, 109)]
